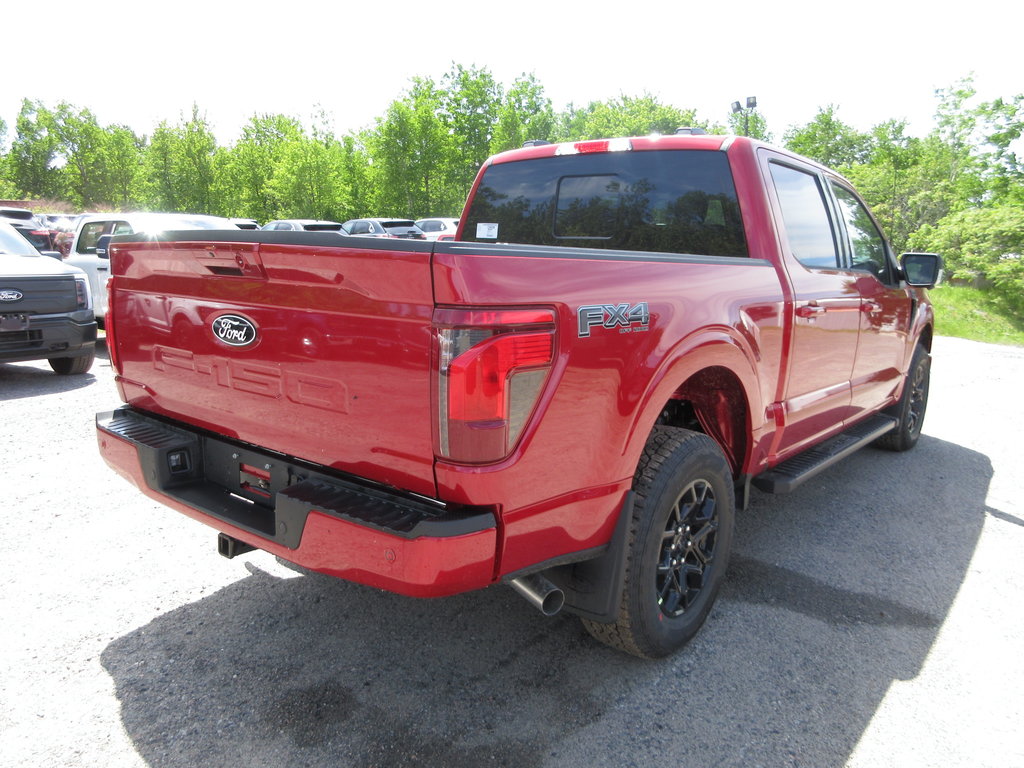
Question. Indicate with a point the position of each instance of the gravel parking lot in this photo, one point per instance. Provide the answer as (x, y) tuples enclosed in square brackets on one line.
[(872, 618)]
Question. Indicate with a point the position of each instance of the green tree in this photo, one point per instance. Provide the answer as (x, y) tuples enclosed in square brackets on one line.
[(749, 122), (197, 149), (307, 177), (1002, 123), (245, 171), (524, 113), (179, 166), (160, 170), (412, 152), (468, 112), (886, 181), (123, 152), (81, 146), (981, 246), (33, 155), (829, 140), (625, 116), (356, 172), (7, 189)]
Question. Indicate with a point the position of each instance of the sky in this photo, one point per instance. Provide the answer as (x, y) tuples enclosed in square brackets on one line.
[(874, 60)]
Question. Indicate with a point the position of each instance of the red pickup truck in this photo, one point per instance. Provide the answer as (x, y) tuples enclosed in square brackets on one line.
[(571, 397)]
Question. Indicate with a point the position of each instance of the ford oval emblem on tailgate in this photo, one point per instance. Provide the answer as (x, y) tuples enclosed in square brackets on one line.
[(235, 330), (9, 294)]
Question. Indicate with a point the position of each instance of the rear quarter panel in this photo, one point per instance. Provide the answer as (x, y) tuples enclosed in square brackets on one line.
[(560, 489)]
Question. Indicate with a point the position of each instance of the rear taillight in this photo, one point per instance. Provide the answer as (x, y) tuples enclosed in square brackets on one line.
[(491, 368)]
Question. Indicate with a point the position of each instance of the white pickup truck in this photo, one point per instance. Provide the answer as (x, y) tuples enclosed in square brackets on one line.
[(90, 253)]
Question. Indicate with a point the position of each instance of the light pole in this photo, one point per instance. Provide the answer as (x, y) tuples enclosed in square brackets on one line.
[(751, 105)]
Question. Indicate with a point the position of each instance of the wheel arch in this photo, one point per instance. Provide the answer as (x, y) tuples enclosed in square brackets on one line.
[(708, 384)]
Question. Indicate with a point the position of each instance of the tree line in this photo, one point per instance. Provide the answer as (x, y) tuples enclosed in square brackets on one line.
[(958, 190)]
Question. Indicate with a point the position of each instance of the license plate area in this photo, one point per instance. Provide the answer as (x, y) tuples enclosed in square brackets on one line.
[(13, 322)]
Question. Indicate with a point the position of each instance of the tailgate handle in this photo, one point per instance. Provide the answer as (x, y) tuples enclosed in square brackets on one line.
[(231, 262)]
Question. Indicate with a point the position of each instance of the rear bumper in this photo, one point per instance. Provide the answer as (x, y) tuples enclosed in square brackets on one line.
[(304, 514), (48, 336)]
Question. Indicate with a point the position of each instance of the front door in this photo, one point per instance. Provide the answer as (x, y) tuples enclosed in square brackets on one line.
[(886, 307)]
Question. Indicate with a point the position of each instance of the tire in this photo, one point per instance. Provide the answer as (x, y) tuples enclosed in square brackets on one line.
[(71, 366), (677, 547), (909, 410)]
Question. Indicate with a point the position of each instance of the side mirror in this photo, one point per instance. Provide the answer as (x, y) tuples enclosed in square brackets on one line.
[(921, 270), (103, 246)]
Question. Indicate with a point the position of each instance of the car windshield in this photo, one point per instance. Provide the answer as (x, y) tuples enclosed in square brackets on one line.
[(13, 243)]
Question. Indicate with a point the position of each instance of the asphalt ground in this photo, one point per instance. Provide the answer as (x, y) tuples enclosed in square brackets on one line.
[(872, 618)]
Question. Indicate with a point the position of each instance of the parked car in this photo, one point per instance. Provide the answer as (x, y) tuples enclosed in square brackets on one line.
[(29, 227), (45, 308), (383, 227), (56, 220), (95, 261), (299, 225), (438, 229), (64, 233), (246, 223)]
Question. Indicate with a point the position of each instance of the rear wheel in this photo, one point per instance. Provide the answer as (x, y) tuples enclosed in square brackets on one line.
[(69, 366), (678, 547)]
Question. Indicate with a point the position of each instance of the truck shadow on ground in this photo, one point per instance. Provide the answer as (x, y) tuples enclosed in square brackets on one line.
[(834, 593)]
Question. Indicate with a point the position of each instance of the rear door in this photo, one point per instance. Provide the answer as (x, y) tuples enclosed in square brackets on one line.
[(826, 316), (286, 340)]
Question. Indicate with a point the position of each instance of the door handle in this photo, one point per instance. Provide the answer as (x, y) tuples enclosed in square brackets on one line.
[(810, 310)]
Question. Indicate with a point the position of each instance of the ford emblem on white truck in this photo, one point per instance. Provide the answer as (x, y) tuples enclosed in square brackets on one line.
[(9, 294), (234, 330)]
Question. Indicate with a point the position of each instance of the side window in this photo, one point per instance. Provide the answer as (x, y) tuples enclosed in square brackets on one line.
[(90, 234), (121, 228), (868, 245), (804, 212)]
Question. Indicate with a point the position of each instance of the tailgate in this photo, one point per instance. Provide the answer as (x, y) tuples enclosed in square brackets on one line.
[(307, 344)]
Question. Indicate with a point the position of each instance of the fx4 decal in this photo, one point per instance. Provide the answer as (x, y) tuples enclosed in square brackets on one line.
[(626, 318)]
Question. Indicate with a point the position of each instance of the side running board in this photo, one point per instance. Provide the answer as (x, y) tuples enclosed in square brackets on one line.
[(793, 472)]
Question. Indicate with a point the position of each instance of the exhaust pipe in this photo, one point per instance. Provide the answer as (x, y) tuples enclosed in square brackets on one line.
[(540, 593), (229, 546)]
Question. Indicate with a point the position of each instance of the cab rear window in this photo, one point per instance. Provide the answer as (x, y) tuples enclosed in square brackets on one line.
[(670, 201)]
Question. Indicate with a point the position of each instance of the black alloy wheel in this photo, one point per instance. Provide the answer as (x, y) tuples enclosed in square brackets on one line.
[(687, 548)]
